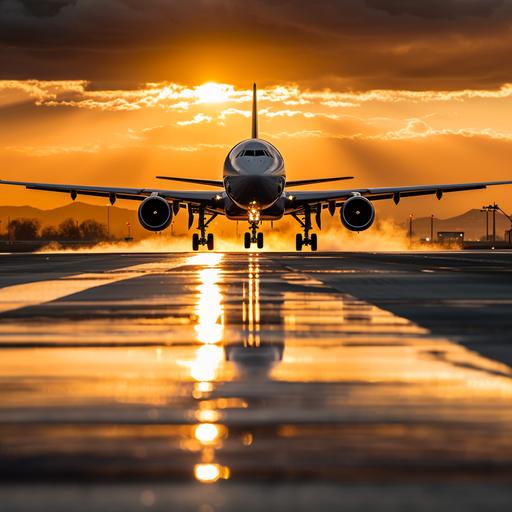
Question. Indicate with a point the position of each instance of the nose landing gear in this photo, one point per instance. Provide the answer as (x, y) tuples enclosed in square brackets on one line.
[(307, 238), (254, 237), (203, 238)]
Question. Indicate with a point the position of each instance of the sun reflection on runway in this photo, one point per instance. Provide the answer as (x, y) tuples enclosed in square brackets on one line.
[(209, 309), (251, 303), (210, 473), (206, 366)]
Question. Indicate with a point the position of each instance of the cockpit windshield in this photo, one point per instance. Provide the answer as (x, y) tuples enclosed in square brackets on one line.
[(254, 152)]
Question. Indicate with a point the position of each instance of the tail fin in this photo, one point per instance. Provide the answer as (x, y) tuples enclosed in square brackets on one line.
[(254, 113)]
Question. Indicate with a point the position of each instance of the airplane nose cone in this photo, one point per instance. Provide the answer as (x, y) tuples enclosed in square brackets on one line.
[(261, 190)]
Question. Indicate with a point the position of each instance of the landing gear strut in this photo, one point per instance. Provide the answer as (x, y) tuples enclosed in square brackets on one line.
[(254, 237), (307, 238), (203, 238)]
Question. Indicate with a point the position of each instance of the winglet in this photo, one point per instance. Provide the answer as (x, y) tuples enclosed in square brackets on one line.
[(254, 113)]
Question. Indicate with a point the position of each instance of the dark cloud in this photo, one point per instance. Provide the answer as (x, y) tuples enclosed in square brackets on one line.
[(340, 43), (448, 9), (44, 8)]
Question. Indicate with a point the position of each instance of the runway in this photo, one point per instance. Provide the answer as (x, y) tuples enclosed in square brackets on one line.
[(283, 381)]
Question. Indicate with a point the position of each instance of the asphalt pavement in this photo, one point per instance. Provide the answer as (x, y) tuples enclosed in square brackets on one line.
[(251, 381)]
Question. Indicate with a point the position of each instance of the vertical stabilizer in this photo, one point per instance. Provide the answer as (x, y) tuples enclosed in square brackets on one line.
[(254, 113)]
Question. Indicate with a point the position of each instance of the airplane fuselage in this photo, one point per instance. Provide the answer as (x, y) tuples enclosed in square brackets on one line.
[(254, 180)]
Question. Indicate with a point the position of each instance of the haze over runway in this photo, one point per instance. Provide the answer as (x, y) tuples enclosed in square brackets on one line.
[(283, 378)]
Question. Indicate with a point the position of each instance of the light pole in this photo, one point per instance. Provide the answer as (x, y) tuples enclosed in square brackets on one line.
[(432, 229), (410, 228), (491, 208), (485, 209), (494, 223)]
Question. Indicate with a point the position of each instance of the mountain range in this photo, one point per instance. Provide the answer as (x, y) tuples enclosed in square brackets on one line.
[(471, 222)]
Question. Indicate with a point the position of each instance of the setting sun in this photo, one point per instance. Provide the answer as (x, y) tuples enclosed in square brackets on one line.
[(212, 92)]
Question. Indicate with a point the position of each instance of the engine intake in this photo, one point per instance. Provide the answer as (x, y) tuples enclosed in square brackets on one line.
[(155, 213), (357, 213)]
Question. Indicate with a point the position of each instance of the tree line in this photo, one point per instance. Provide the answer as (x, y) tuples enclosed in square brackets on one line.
[(68, 229)]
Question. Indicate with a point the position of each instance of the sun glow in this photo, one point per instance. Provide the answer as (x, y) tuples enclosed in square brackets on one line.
[(213, 92)]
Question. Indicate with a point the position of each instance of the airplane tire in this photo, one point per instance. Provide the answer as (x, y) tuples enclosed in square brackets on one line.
[(298, 242), (314, 242), (195, 242), (247, 240), (210, 241), (260, 240)]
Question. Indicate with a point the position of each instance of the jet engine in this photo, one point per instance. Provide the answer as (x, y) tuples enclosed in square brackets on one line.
[(155, 213), (357, 213)]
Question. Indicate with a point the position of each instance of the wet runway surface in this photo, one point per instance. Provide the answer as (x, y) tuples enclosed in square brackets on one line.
[(279, 381)]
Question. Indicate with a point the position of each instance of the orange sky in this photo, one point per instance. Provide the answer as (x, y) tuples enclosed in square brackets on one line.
[(67, 131), (394, 92)]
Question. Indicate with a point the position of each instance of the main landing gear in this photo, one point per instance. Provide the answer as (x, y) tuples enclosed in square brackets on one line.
[(254, 237), (301, 241), (203, 238), (307, 238)]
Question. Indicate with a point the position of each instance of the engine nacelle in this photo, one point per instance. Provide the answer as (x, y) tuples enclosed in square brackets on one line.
[(155, 213), (357, 213)]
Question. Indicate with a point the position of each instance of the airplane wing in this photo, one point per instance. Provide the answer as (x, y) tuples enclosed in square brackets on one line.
[(301, 199), (300, 183), (138, 194), (211, 183), (220, 184)]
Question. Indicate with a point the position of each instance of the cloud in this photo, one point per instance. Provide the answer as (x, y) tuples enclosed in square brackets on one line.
[(191, 148), (419, 129), (43, 151), (431, 9), (86, 95), (169, 96), (293, 113), (49, 151), (302, 134), (350, 44), (413, 129), (234, 112), (45, 8), (197, 119)]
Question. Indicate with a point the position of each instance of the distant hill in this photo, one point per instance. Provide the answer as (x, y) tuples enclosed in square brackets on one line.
[(472, 223), (79, 211), (118, 218)]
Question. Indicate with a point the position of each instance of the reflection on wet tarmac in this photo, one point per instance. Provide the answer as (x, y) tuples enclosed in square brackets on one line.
[(204, 369), (238, 366)]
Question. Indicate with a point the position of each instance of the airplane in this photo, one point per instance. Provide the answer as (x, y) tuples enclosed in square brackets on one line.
[(255, 189)]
